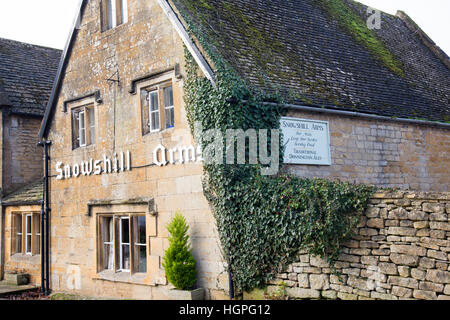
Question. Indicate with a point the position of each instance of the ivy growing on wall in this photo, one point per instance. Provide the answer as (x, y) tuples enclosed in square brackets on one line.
[(263, 221)]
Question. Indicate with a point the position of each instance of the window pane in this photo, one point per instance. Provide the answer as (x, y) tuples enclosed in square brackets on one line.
[(28, 245), (75, 128), (168, 106), (154, 104), (82, 126), (108, 257), (111, 14), (125, 263), (28, 235), (107, 239), (124, 11), (140, 254), (81, 118), (18, 233), (140, 230), (37, 233), (107, 227), (18, 223), (125, 231), (28, 223), (91, 125), (168, 96), (154, 110), (37, 224), (38, 244), (170, 118), (155, 121), (19, 244)]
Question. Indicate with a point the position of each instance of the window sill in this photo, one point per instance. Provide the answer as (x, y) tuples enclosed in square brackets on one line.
[(113, 30), (88, 148), (164, 133), (127, 277)]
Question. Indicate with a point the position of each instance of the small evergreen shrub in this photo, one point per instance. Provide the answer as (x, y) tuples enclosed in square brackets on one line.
[(178, 262)]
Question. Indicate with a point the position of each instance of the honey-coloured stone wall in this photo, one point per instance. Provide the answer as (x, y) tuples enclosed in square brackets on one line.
[(401, 250), (386, 154)]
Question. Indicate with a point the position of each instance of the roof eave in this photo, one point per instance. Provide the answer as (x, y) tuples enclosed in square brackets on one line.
[(21, 203)]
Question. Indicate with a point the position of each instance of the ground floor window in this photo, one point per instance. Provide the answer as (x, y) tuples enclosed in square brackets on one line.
[(26, 233), (122, 243)]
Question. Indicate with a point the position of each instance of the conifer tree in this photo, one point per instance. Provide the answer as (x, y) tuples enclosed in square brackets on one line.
[(178, 262)]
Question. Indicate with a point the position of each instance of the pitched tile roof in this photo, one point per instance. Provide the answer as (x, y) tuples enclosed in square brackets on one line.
[(27, 73), (30, 194), (296, 46)]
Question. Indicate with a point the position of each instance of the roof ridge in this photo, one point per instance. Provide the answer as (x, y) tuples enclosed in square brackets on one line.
[(426, 40), (365, 5)]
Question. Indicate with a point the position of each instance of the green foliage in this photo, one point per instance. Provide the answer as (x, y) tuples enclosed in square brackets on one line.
[(178, 262), (263, 221), (357, 28)]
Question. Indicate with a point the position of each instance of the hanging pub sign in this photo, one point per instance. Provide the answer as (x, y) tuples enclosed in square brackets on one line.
[(306, 141)]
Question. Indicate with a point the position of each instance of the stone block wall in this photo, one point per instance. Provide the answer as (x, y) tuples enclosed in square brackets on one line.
[(401, 250), (385, 154), (146, 44), (22, 158)]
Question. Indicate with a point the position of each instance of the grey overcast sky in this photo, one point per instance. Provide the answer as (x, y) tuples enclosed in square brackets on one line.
[(48, 22)]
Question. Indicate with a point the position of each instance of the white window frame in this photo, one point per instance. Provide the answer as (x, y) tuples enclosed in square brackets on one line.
[(116, 241), (113, 13), (171, 107), (151, 112), (82, 129), (91, 124), (124, 11), (28, 251), (110, 243), (121, 244), (84, 124), (136, 236)]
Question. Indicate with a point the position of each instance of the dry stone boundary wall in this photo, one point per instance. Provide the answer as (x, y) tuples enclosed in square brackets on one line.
[(401, 250)]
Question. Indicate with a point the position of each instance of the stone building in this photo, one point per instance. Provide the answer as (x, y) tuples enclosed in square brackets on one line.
[(117, 110), (27, 73)]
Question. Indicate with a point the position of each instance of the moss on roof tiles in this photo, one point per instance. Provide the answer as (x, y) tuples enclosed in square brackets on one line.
[(358, 29), (313, 56), (29, 194), (261, 46)]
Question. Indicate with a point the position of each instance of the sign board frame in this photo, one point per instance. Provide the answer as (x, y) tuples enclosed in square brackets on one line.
[(327, 143)]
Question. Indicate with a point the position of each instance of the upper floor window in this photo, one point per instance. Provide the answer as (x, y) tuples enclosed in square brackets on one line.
[(158, 110), (26, 233), (83, 126), (114, 13)]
